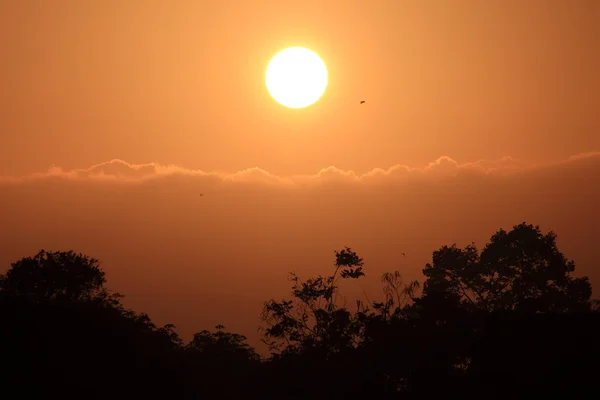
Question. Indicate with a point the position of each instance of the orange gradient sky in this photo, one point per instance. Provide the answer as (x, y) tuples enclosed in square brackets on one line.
[(183, 82), (116, 114)]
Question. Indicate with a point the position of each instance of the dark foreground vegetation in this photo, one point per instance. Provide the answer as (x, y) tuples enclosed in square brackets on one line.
[(509, 321)]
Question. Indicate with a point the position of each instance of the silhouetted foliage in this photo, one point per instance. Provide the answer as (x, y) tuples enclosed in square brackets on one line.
[(55, 275), (221, 358), (313, 321), (222, 343), (509, 321), (520, 270)]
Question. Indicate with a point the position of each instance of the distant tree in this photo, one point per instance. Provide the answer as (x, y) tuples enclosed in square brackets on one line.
[(521, 270), (56, 275), (398, 297), (221, 364), (222, 344)]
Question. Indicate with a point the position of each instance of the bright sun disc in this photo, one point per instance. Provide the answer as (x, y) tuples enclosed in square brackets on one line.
[(296, 77)]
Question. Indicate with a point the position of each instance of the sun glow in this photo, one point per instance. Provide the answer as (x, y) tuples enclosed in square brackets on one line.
[(296, 77)]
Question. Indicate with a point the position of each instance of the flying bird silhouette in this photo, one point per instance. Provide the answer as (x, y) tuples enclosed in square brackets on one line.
[(201, 194), (404, 254), (362, 101)]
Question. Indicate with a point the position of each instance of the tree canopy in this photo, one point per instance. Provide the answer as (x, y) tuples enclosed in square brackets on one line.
[(520, 270), (55, 275)]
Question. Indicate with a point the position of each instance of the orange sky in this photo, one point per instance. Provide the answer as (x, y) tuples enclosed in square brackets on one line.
[(182, 83)]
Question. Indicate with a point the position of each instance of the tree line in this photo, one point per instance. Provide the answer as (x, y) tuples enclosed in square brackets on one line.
[(510, 319)]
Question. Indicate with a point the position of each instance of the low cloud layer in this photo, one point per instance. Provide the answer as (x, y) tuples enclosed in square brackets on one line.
[(198, 261), (444, 167)]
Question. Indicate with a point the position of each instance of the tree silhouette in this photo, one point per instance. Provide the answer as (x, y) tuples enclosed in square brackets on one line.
[(222, 344), (221, 364), (520, 270), (485, 310), (56, 275), (508, 320), (313, 320), (398, 297), (67, 335), (322, 349)]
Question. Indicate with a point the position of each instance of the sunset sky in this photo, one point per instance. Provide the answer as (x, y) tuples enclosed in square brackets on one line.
[(116, 114)]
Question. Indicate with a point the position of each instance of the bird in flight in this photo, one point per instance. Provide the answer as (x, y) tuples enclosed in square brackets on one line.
[(362, 102), (201, 194), (404, 254)]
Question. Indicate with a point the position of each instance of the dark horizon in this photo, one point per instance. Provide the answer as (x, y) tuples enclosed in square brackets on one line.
[(482, 319)]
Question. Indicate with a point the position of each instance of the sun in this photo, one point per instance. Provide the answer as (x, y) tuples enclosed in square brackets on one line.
[(296, 77)]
